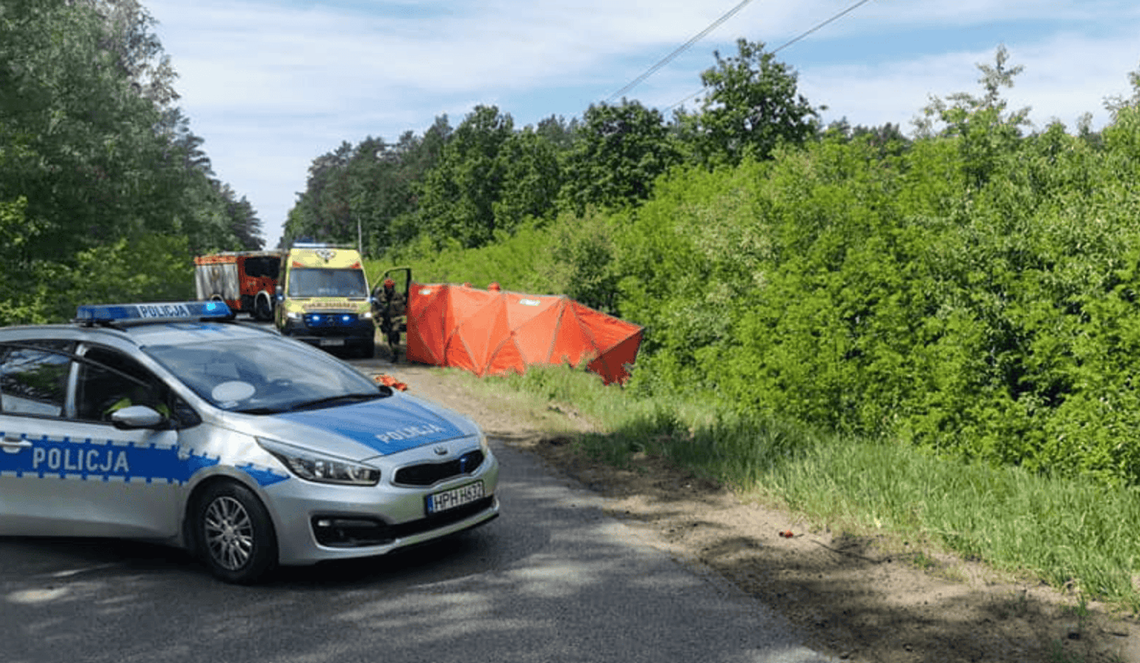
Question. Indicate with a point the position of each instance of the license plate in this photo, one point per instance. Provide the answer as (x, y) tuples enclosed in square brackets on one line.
[(332, 341), (456, 497)]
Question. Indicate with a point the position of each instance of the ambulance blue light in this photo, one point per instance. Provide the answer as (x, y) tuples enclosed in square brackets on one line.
[(158, 311)]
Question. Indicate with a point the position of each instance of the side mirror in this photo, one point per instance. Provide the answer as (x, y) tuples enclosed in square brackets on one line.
[(136, 416)]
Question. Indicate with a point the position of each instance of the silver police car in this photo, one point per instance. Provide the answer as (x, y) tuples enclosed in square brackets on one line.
[(171, 423)]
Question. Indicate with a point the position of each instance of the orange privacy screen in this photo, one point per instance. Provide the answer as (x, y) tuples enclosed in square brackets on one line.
[(491, 332)]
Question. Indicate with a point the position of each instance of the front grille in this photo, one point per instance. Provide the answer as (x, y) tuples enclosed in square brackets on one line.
[(427, 474)]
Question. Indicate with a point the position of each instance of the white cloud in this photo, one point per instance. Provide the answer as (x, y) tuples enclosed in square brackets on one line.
[(1054, 83)]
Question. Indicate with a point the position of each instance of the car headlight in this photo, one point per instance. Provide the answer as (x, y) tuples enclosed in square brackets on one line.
[(293, 315), (320, 468), (367, 315)]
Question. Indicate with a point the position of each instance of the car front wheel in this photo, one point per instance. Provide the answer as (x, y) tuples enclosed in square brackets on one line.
[(234, 533)]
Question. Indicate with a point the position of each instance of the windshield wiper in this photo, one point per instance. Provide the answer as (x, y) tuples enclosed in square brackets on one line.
[(334, 400), (262, 410)]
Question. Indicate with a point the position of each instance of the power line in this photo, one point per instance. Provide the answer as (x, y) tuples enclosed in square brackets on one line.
[(791, 41), (817, 27), (669, 58)]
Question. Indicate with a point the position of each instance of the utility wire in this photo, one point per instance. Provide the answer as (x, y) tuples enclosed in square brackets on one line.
[(669, 58), (817, 27), (791, 41)]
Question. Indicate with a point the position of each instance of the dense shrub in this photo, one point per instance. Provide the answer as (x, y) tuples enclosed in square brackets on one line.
[(515, 262), (987, 317), (878, 289)]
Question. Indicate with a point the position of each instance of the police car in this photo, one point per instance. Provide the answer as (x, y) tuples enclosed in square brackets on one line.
[(171, 423)]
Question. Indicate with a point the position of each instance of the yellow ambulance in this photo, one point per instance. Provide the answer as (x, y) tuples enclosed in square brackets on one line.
[(323, 299)]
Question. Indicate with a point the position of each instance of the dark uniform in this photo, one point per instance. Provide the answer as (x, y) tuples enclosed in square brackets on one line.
[(393, 309)]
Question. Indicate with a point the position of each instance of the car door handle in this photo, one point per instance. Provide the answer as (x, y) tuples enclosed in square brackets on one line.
[(13, 444)]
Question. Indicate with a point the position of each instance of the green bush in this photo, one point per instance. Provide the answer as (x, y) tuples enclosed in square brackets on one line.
[(990, 318), (983, 309), (516, 262)]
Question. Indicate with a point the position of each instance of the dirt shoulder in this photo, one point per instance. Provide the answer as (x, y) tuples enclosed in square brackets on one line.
[(860, 598)]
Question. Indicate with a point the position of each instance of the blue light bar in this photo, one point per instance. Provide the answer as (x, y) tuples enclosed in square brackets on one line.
[(159, 311)]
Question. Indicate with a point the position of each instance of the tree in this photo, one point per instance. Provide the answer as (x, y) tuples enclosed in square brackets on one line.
[(418, 155), (95, 161), (243, 222), (1117, 103), (137, 50), (428, 151), (617, 154), (459, 194), (984, 129), (752, 105), (558, 132), (73, 122), (324, 209), (531, 180), (371, 188), (210, 216)]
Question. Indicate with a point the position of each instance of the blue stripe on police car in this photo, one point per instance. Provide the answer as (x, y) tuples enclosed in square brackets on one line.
[(102, 460), (263, 476)]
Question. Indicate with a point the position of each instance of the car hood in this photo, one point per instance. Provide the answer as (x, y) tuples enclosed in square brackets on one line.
[(365, 430)]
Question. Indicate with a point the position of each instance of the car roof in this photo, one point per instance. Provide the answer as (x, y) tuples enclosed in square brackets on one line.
[(140, 334), (183, 333), (145, 324)]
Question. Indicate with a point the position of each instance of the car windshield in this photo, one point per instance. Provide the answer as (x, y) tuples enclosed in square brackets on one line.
[(274, 375), (327, 283)]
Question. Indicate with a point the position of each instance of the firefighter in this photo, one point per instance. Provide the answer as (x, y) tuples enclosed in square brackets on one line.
[(393, 307), (392, 299)]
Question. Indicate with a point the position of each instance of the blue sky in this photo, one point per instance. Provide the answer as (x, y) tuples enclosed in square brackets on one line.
[(272, 84)]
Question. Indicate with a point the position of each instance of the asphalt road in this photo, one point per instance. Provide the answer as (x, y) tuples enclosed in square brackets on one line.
[(553, 579)]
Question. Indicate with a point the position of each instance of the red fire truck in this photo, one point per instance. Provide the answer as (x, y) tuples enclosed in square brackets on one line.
[(244, 280)]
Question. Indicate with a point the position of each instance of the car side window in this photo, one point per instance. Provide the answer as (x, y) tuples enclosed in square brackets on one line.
[(33, 378), (109, 381)]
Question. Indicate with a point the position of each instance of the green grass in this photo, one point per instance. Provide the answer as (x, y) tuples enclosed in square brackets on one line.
[(1065, 532)]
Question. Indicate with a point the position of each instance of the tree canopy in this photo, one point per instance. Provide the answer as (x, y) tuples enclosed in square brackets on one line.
[(751, 106), (488, 177), (95, 159), (971, 290)]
